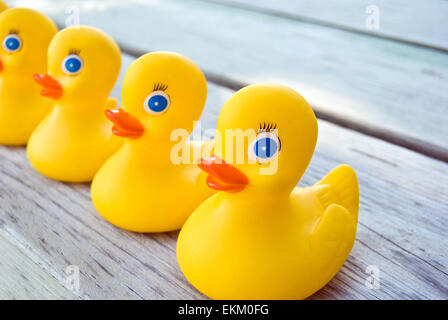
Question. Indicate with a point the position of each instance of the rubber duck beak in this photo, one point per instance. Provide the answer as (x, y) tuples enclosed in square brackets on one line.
[(1, 65), (125, 125), (223, 176), (52, 88)]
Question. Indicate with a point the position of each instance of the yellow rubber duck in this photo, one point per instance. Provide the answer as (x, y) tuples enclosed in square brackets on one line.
[(25, 35), (3, 6), (75, 139), (143, 187), (261, 237)]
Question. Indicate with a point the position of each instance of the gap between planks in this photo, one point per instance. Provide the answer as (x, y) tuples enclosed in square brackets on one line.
[(312, 20), (423, 147)]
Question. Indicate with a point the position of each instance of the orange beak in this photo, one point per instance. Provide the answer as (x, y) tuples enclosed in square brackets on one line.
[(125, 125), (52, 88), (223, 176), (1, 65)]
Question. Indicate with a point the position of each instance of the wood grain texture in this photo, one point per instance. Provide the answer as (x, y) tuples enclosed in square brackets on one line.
[(23, 276), (386, 88), (415, 22), (46, 226)]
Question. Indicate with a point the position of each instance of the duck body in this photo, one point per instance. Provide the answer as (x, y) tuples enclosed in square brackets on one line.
[(71, 146), (75, 139), (143, 191), (24, 37), (152, 184), (260, 236), (21, 109), (270, 249)]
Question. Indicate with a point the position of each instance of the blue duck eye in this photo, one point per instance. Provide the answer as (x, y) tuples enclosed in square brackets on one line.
[(12, 43), (157, 102), (265, 147), (72, 64)]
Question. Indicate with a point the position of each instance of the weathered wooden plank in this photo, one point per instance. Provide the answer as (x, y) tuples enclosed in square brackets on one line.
[(379, 87), (23, 278), (415, 22), (402, 227)]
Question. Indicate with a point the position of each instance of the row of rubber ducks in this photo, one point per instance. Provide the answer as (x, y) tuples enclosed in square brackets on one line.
[(244, 235)]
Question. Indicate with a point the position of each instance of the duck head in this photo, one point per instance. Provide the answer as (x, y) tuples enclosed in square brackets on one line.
[(162, 92), (83, 65), (266, 135), (25, 35), (3, 6)]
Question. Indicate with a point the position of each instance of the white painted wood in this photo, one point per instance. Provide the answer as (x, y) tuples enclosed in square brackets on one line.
[(419, 22), (47, 225), (23, 278), (374, 82)]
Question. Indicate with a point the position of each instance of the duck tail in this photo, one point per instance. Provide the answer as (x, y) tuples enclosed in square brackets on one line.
[(343, 189)]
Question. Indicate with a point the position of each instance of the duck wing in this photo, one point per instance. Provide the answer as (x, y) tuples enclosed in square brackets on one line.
[(333, 236), (339, 186)]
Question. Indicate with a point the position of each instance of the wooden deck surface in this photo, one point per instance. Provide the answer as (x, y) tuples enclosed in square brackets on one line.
[(383, 107)]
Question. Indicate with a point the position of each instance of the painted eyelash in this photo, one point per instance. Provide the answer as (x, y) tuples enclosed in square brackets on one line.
[(160, 87), (13, 31), (267, 127), (74, 51)]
